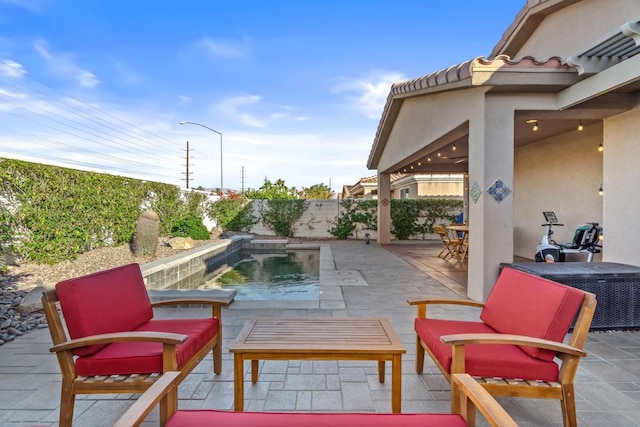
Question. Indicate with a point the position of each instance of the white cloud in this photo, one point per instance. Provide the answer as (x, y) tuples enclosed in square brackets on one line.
[(368, 94), (63, 63), (249, 110), (10, 68), (184, 100), (225, 48)]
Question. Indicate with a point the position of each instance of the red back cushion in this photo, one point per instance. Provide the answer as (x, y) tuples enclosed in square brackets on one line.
[(523, 304), (114, 300)]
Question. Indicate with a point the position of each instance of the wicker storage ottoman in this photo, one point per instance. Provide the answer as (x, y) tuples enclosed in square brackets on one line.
[(616, 286)]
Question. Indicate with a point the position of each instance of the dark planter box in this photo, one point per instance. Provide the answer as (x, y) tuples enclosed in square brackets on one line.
[(616, 286)]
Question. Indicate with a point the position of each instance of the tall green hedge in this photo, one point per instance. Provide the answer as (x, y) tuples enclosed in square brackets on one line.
[(62, 212)]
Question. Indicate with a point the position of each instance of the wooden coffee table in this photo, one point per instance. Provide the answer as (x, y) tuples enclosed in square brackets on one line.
[(351, 338)]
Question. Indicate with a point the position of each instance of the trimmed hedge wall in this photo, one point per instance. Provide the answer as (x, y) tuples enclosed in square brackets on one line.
[(56, 213)]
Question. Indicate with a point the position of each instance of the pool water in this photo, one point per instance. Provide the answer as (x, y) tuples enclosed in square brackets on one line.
[(290, 276)]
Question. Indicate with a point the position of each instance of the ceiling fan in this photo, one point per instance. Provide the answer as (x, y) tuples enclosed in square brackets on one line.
[(459, 159)]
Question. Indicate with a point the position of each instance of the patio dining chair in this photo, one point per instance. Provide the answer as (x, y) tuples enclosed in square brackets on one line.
[(451, 245)]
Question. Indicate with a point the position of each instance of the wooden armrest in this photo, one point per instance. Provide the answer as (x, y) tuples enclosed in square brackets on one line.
[(463, 339), (223, 301), (423, 303), (429, 301), (495, 414), (161, 337), (135, 415)]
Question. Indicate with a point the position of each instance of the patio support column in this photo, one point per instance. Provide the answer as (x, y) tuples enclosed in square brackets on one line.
[(384, 208), (491, 154), (491, 158)]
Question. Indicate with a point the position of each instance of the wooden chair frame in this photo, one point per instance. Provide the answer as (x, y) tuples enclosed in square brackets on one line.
[(72, 384), (451, 246), (569, 355), (470, 395)]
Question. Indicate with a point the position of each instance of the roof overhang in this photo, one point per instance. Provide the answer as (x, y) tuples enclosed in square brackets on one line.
[(500, 73)]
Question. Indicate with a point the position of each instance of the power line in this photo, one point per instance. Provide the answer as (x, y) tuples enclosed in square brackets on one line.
[(77, 112), (106, 133)]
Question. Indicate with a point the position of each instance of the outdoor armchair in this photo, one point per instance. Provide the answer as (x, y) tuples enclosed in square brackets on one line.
[(110, 341), (516, 349)]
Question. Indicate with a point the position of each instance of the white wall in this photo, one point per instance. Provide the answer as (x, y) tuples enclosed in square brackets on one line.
[(560, 174), (314, 223)]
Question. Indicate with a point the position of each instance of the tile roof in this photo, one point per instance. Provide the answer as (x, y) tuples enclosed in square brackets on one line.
[(464, 70)]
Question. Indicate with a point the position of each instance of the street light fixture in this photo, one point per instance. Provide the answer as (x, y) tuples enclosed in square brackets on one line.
[(219, 133)]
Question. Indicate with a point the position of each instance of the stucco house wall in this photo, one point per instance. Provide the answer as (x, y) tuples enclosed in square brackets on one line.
[(575, 27), (622, 188), (421, 120), (449, 189)]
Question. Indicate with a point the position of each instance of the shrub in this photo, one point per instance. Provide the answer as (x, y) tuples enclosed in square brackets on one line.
[(352, 213), (190, 226), (280, 215), (233, 214)]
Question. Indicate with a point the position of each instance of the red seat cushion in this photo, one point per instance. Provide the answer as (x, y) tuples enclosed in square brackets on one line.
[(113, 300), (523, 304), (191, 418), (483, 360), (145, 358)]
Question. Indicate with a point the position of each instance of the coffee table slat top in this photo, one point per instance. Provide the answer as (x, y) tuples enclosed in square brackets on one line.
[(291, 335)]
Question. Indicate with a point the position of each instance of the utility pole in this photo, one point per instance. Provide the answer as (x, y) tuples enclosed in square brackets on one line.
[(242, 179), (187, 174)]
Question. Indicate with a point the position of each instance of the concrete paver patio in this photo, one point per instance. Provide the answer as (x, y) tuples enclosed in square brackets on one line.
[(607, 387)]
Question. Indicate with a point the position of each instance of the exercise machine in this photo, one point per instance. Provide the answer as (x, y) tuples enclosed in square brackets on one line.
[(586, 240)]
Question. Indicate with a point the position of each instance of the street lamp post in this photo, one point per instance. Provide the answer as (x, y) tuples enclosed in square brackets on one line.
[(219, 133)]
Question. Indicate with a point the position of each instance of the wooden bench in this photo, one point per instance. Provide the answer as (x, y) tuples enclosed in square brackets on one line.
[(114, 345), (471, 395), (521, 330)]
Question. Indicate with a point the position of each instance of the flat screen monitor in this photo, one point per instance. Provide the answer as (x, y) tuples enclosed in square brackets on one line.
[(550, 217)]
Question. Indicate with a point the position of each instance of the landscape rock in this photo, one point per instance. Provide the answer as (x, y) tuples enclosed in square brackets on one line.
[(181, 243), (32, 301)]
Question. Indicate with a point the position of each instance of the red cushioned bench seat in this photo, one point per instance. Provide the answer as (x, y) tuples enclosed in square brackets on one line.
[(472, 397)]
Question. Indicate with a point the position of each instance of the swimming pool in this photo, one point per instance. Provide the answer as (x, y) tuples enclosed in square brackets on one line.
[(294, 275)]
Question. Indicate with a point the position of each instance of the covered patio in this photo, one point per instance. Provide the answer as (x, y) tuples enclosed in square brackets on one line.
[(543, 124)]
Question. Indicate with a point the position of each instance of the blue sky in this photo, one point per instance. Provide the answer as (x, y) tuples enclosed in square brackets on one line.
[(296, 88)]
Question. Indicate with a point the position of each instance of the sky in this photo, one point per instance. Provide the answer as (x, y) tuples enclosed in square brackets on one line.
[(290, 90)]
